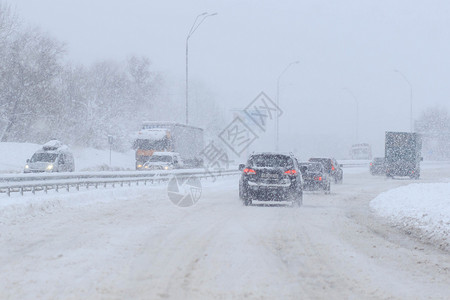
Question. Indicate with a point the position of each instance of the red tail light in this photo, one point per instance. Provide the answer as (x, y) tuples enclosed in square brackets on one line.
[(291, 172), (249, 171), (370, 164), (319, 178), (332, 168)]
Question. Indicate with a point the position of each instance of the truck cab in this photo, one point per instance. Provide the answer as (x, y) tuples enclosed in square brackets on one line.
[(156, 137)]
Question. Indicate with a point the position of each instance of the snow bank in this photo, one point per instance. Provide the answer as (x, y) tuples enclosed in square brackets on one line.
[(13, 209), (423, 209), (13, 157), (88, 159)]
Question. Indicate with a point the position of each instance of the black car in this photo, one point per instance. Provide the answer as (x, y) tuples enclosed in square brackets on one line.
[(378, 166), (331, 167), (315, 178), (271, 177)]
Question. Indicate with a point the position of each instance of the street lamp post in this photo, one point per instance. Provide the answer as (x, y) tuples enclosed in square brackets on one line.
[(194, 27), (357, 112), (278, 100), (410, 100)]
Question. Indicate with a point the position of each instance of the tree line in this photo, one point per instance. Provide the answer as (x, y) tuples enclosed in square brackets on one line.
[(44, 97)]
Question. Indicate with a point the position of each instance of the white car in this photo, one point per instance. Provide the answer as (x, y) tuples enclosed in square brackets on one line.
[(53, 157), (163, 161)]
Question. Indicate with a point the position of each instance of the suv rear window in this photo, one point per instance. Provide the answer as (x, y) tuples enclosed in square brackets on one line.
[(326, 162), (271, 161), (313, 167)]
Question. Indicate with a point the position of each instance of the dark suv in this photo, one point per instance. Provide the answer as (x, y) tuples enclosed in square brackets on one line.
[(271, 177), (315, 178), (331, 167)]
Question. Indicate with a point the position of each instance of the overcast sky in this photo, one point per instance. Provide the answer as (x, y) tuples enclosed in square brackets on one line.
[(355, 45)]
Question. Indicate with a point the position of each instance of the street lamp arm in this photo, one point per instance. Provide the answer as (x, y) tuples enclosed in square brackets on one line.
[(285, 69), (357, 111), (353, 95), (278, 102), (191, 31), (404, 77), (196, 25), (410, 98)]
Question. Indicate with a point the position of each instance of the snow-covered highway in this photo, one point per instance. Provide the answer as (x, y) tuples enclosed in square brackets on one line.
[(133, 243)]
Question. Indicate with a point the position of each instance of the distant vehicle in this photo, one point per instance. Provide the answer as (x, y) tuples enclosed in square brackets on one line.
[(271, 177), (153, 137), (315, 177), (331, 167), (377, 166), (52, 157), (361, 151), (163, 161), (403, 154)]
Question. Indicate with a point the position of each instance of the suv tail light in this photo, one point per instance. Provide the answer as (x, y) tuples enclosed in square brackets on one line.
[(249, 171), (291, 172), (319, 178)]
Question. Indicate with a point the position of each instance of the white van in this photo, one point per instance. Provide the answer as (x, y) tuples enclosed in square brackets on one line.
[(52, 157)]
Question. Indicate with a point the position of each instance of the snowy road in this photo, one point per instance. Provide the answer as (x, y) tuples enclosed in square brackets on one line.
[(132, 243)]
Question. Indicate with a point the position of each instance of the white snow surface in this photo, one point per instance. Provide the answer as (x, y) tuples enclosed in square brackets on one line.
[(133, 243), (53, 144), (13, 157), (422, 207)]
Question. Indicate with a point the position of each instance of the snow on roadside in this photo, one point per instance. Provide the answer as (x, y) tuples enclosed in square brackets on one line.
[(13, 157), (88, 159), (422, 209), (21, 208)]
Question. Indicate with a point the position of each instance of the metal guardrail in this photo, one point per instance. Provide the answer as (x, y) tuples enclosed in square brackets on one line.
[(43, 182), (354, 163)]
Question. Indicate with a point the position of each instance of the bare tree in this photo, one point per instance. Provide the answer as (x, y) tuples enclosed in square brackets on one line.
[(31, 64), (434, 126), (43, 98)]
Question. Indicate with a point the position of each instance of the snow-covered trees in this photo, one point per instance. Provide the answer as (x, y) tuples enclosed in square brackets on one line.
[(42, 97), (30, 64), (434, 126)]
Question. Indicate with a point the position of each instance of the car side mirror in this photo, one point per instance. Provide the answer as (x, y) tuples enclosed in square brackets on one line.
[(28, 160), (303, 169), (241, 167), (341, 165)]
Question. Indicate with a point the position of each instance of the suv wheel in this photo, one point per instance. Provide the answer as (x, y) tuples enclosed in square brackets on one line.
[(244, 196), (247, 201), (328, 188), (297, 200)]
